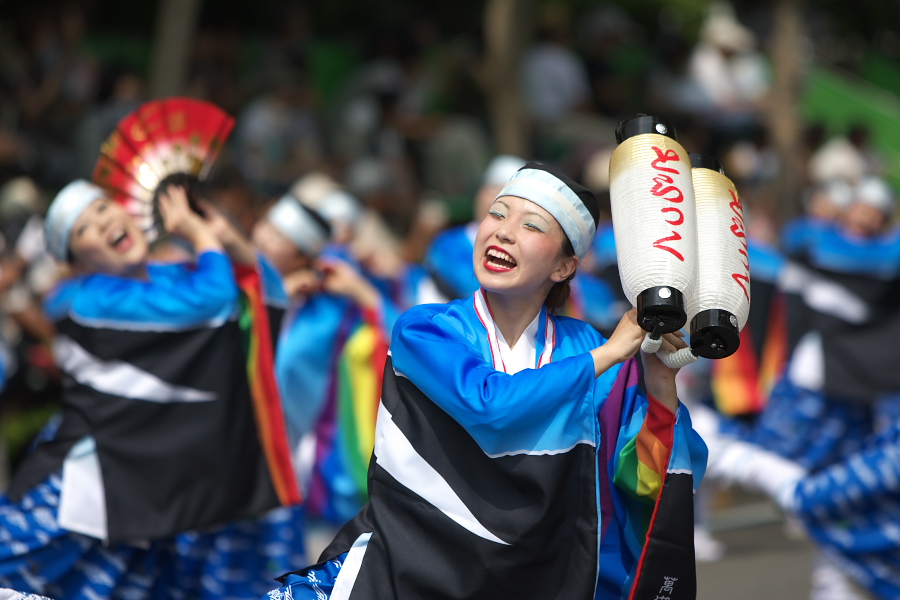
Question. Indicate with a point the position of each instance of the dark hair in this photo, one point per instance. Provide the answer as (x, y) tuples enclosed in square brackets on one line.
[(194, 189), (559, 293)]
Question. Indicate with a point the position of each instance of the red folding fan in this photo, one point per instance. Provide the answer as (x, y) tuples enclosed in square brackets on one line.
[(172, 140)]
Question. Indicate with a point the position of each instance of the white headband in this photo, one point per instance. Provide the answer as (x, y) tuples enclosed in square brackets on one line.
[(65, 209), (340, 208), (558, 199), (876, 192), (296, 223)]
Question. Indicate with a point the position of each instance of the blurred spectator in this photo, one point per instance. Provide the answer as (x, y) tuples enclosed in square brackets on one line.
[(61, 83), (22, 207), (671, 87), (752, 162), (64, 76), (29, 272), (558, 95), (278, 134), (826, 201), (388, 188), (554, 76), (849, 157), (731, 72), (121, 91), (609, 37), (214, 69)]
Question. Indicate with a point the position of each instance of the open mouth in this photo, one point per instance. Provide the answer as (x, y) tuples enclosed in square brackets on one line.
[(120, 240), (497, 260)]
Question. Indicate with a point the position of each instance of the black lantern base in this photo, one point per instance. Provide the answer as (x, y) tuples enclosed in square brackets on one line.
[(714, 334), (661, 310), (705, 161), (642, 124)]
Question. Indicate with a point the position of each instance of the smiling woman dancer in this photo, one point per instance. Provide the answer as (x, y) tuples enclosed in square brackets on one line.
[(157, 434), (489, 475)]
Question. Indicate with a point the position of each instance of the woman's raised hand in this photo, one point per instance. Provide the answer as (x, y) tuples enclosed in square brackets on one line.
[(627, 337), (624, 343), (342, 279), (303, 282), (180, 220)]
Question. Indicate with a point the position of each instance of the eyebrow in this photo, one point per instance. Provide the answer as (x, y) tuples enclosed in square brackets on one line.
[(536, 214), (527, 213)]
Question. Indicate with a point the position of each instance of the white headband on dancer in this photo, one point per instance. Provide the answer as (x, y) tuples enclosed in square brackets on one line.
[(340, 208), (558, 199), (297, 223), (65, 209)]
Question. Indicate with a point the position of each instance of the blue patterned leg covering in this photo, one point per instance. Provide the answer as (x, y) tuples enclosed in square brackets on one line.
[(314, 583), (809, 428), (37, 557), (241, 560)]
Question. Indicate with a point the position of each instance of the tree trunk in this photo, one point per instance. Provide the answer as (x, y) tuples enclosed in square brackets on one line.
[(175, 25), (783, 113), (507, 26)]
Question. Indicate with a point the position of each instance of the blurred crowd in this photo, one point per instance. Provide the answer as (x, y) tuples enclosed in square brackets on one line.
[(396, 153)]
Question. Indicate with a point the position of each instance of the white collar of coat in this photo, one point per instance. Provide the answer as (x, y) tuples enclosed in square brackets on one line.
[(544, 341)]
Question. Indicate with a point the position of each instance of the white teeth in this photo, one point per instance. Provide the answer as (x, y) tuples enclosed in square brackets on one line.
[(501, 255), (116, 235)]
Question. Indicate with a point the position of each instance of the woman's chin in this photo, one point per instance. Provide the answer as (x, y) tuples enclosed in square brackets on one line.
[(497, 285)]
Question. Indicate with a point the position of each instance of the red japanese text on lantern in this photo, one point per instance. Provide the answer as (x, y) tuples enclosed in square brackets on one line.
[(737, 229), (664, 188)]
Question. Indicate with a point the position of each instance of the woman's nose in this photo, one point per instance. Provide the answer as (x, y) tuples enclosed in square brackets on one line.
[(504, 232)]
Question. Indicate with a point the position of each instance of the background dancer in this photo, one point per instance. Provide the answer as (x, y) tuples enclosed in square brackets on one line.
[(157, 433), (841, 383), (329, 360)]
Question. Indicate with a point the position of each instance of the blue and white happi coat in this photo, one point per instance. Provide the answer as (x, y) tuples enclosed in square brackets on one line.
[(486, 477), (151, 484)]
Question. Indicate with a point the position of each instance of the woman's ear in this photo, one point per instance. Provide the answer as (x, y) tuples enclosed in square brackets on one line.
[(565, 268)]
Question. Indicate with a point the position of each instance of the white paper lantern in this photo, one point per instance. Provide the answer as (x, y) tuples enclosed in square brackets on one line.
[(654, 219), (719, 307)]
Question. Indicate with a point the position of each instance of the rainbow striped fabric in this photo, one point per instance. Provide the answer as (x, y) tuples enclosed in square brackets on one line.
[(345, 433), (254, 321), (643, 456)]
